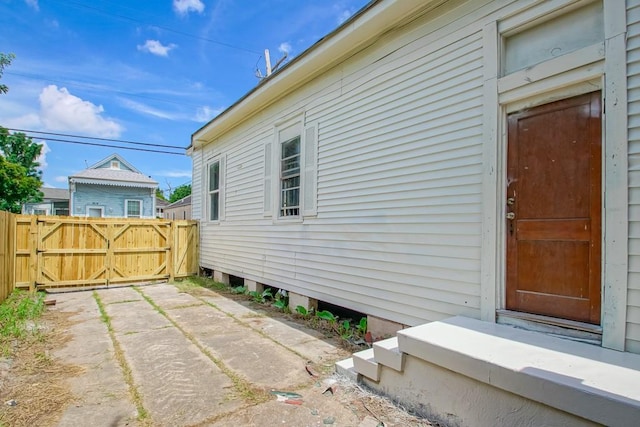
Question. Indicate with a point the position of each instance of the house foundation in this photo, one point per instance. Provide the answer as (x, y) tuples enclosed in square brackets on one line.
[(298, 299), (382, 328), (253, 286), (221, 277)]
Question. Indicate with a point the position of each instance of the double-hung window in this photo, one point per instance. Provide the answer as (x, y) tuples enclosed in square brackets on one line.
[(290, 171), (133, 208), (213, 189), (290, 178)]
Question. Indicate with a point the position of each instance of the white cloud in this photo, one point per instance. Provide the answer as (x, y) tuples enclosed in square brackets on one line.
[(33, 4), (183, 7), (285, 47), (61, 178), (206, 113), (174, 174), (26, 121), (61, 111), (42, 158), (145, 109), (156, 48)]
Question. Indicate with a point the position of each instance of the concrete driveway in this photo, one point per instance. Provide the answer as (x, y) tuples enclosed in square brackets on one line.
[(183, 360)]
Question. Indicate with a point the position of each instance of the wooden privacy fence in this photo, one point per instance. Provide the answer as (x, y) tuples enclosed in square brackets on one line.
[(64, 252), (7, 249)]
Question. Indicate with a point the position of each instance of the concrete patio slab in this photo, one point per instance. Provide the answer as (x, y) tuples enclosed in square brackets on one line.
[(193, 360)]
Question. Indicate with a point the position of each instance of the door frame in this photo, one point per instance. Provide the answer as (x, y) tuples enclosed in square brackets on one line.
[(594, 214), (96, 207), (563, 78)]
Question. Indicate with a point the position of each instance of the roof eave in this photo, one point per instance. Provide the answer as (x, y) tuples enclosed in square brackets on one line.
[(357, 33), (80, 180)]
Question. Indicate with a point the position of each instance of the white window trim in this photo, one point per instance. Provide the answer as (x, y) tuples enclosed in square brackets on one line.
[(46, 211), (221, 159), (294, 125), (126, 208), (281, 179), (101, 208)]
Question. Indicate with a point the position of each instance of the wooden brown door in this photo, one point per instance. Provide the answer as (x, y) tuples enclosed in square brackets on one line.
[(553, 223)]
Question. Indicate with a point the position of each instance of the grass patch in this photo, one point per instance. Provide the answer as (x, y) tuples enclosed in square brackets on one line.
[(18, 318), (143, 414), (183, 306), (193, 284), (124, 301)]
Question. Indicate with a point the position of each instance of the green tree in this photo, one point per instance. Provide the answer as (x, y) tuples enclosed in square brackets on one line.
[(20, 179), (180, 192), (160, 194), (5, 60)]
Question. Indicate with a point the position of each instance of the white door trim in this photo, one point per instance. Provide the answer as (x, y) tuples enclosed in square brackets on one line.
[(611, 73)]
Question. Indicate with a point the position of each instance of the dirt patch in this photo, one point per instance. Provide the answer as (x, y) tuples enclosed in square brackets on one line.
[(35, 389)]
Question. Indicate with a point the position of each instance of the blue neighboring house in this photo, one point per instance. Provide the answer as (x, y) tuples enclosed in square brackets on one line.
[(112, 188), (55, 201)]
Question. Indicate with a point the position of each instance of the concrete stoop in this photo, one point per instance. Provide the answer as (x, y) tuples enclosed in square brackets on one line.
[(466, 372)]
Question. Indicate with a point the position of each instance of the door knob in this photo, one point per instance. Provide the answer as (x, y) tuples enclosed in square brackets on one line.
[(511, 215)]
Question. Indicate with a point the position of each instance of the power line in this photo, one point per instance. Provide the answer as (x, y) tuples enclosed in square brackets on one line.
[(128, 18), (111, 146), (98, 139), (115, 146)]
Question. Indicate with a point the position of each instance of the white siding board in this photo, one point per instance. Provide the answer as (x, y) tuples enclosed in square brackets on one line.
[(416, 112), (425, 145), (397, 233), (347, 247), (632, 342), (434, 83), (196, 185), (634, 298), (456, 173)]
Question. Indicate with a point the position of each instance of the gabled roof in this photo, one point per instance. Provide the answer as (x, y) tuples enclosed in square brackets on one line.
[(161, 203), (360, 31), (185, 201), (49, 193), (96, 174), (114, 156)]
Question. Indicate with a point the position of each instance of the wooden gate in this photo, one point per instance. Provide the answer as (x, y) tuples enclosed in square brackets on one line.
[(56, 252)]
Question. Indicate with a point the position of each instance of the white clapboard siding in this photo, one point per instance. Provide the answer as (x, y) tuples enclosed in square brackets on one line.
[(633, 67), (196, 184), (399, 176)]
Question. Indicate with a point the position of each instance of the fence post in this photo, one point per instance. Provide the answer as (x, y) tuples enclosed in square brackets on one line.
[(172, 252), (7, 254), (109, 260), (33, 253), (12, 235)]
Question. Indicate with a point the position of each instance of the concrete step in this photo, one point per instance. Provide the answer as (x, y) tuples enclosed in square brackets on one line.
[(365, 364), (589, 381), (387, 353), (346, 369)]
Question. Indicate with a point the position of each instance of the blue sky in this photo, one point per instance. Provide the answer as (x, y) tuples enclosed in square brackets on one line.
[(147, 71)]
